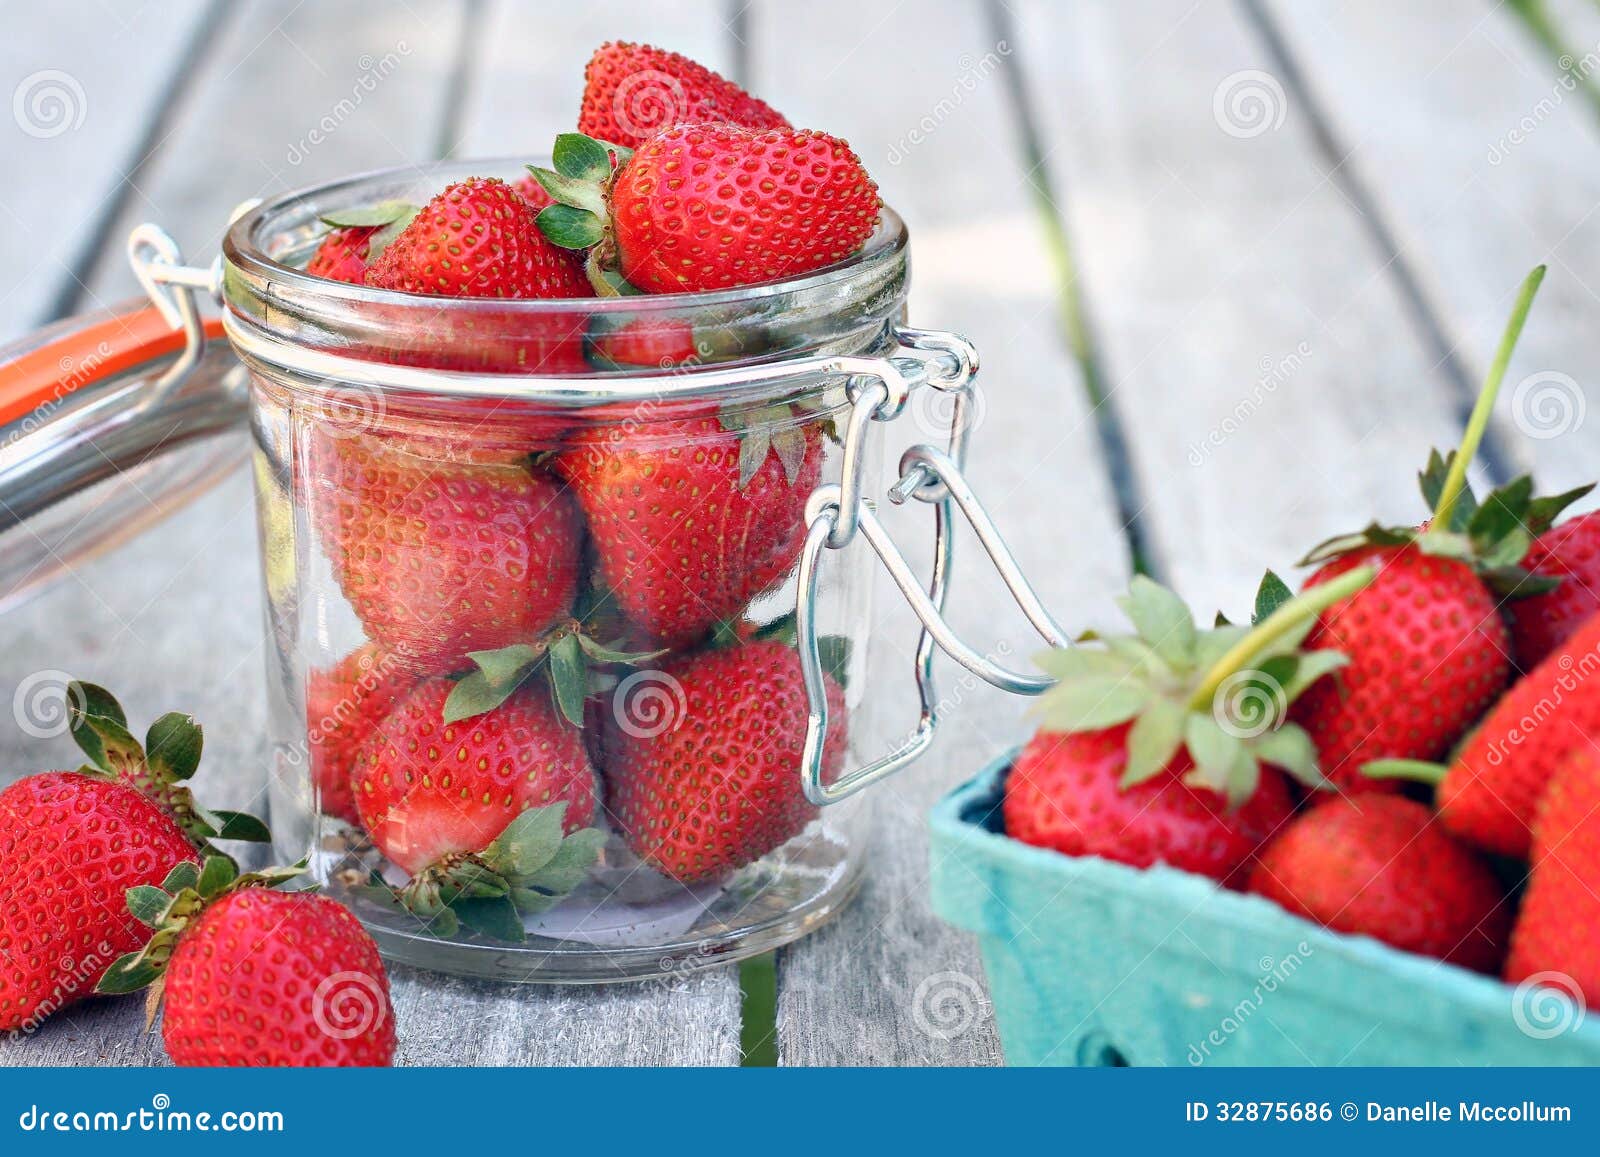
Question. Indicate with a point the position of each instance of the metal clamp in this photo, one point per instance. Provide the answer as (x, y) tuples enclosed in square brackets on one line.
[(835, 513)]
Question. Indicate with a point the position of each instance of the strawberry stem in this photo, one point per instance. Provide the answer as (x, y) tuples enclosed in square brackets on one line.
[(1413, 770), (1478, 422), (1283, 620)]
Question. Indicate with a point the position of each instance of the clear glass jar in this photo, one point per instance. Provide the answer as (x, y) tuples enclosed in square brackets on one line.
[(438, 478)]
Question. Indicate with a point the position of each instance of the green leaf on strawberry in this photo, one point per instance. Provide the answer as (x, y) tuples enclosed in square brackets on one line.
[(1221, 694)]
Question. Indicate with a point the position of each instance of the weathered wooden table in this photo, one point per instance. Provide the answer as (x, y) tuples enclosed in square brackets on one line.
[(1233, 268)]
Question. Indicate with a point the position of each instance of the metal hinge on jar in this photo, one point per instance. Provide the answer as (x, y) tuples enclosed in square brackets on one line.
[(836, 513)]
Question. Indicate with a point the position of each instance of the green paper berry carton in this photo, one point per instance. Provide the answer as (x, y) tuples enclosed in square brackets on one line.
[(1090, 962)]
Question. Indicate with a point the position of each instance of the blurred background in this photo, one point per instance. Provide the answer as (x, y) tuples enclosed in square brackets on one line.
[(1233, 267)]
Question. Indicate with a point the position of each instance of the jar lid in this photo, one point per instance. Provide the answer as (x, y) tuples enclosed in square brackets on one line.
[(109, 422)]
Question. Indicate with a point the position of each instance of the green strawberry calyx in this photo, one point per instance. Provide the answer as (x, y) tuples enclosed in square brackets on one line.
[(389, 218), (1223, 694), (526, 869), (764, 430), (1492, 536), (159, 768), (568, 658), (579, 182), (173, 907)]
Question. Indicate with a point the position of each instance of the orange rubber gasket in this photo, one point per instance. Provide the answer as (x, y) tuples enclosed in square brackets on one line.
[(119, 343)]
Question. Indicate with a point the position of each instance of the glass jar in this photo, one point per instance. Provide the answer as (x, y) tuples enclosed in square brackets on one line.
[(559, 681)]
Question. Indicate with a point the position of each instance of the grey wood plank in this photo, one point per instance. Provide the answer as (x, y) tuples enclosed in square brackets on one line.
[(294, 94), (174, 618), (1271, 386), (1484, 164), (922, 98), (78, 104)]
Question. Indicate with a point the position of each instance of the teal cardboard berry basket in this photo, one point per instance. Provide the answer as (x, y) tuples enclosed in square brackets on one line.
[(1093, 963)]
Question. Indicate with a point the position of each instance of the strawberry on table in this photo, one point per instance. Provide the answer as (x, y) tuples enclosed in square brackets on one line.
[(1558, 926), (633, 91), (254, 977), (1170, 746), (692, 517), (710, 206), (1570, 554), (72, 846), (1379, 866), (714, 784)]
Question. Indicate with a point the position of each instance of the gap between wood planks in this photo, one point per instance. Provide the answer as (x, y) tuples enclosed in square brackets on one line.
[(69, 298), (1424, 315)]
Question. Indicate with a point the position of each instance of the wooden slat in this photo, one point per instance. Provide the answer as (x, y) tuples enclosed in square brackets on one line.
[(1483, 165), (174, 619), (1272, 387), (60, 179), (865, 989)]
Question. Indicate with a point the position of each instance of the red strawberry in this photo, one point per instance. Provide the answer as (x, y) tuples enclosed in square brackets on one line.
[(478, 238), (440, 559), (344, 703), (632, 91), (714, 206), (277, 979), (1427, 655), (1065, 792), (1558, 928), (693, 517), (1169, 746), (72, 846), (359, 235), (1378, 866), (712, 782), (1488, 795), (342, 256), (430, 790), (1571, 553), (529, 189)]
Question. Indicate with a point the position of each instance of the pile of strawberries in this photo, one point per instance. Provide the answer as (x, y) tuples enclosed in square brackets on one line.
[(1408, 750), (558, 634), (555, 606), (113, 884)]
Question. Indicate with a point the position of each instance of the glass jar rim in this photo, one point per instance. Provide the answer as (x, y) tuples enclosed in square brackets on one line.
[(242, 249), (277, 313)]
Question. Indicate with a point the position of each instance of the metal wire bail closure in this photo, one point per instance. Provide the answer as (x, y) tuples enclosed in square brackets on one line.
[(835, 513)]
